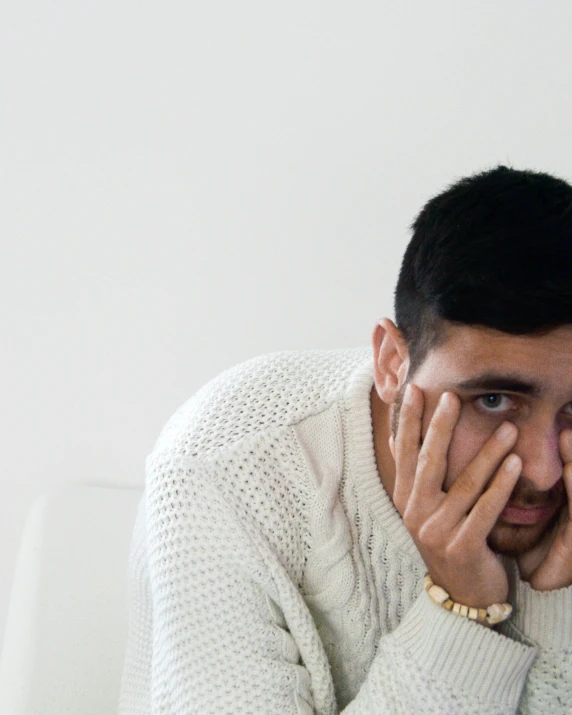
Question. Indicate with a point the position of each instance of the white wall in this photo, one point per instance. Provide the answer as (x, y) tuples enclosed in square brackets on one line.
[(185, 185)]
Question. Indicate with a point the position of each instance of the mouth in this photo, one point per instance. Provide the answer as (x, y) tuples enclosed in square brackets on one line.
[(526, 515)]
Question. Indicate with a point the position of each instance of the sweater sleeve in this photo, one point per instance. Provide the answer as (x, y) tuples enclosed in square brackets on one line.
[(436, 661), (217, 626), (206, 632), (543, 619)]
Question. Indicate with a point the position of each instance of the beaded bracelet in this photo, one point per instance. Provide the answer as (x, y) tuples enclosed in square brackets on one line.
[(490, 616)]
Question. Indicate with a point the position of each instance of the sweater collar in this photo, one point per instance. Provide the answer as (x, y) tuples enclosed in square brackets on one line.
[(363, 467)]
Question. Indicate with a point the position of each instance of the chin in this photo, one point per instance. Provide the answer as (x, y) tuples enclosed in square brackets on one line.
[(515, 540)]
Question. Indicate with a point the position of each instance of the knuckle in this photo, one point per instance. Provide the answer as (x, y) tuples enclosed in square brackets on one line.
[(430, 535), (466, 482), (427, 462), (410, 518), (487, 509), (451, 554)]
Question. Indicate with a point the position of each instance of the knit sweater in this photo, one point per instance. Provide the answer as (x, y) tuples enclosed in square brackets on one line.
[(271, 573)]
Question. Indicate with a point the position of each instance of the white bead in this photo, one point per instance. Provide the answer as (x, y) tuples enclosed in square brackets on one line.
[(438, 594), (497, 613)]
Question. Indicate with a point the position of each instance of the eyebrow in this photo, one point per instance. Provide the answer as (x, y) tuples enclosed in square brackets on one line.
[(497, 381)]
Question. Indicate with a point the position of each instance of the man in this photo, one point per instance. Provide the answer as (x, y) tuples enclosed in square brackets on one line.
[(295, 504)]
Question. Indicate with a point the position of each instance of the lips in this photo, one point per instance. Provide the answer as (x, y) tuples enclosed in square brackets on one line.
[(514, 514)]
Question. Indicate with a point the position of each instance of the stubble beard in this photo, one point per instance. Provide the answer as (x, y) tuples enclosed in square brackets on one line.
[(515, 540)]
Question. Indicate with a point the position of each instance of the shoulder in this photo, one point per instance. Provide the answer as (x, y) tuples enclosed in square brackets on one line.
[(264, 393)]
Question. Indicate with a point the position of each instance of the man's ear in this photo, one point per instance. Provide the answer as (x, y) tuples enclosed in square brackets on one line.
[(391, 360)]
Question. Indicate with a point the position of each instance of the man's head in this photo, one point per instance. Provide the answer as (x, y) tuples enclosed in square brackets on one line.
[(484, 301)]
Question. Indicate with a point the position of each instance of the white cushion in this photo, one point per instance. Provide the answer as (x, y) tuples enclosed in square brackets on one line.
[(66, 629)]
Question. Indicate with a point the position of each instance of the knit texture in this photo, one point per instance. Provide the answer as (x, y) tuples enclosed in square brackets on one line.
[(270, 572)]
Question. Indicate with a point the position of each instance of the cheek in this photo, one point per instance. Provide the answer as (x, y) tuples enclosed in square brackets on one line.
[(464, 447)]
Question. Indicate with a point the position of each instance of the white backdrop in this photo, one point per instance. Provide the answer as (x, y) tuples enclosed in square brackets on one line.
[(185, 185)]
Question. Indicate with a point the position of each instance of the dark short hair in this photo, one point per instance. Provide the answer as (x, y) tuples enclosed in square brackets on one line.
[(495, 250)]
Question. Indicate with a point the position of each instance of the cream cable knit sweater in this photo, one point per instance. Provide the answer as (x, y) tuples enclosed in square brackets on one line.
[(270, 572)]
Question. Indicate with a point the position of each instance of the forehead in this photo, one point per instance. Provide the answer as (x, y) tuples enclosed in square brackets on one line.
[(470, 350)]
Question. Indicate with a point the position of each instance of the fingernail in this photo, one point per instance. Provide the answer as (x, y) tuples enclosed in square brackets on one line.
[(408, 396), (511, 463), (505, 431)]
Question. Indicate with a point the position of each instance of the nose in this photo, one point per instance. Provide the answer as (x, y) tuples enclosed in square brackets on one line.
[(537, 446)]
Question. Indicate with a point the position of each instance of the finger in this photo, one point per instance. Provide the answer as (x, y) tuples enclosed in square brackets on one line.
[(565, 443), (432, 462), (492, 501), (469, 485), (407, 445), (566, 453)]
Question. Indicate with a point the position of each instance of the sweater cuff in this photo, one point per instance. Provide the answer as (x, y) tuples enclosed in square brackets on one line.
[(467, 655), (544, 617)]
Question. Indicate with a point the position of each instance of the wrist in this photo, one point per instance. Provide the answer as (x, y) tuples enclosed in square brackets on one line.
[(489, 616)]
